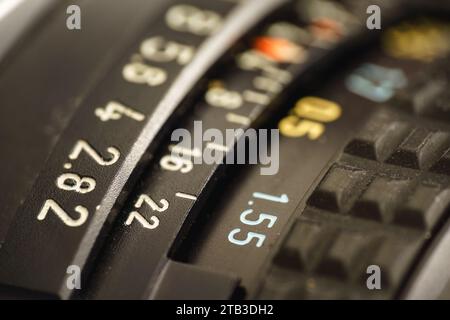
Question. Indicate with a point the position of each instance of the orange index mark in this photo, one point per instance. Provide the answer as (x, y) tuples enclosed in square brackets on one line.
[(280, 50)]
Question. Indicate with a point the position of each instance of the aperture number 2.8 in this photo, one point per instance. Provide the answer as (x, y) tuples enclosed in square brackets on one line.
[(73, 182)]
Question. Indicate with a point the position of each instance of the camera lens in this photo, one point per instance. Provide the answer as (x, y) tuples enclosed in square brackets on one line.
[(224, 149)]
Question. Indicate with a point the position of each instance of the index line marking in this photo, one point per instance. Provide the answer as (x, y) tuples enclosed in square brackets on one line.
[(185, 196)]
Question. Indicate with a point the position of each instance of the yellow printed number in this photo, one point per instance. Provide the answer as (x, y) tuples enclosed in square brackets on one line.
[(293, 127), (424, 40), (308, 117)]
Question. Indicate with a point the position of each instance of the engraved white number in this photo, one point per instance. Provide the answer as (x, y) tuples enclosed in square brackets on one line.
[(147, 225), (151, 203), (160, 50), (154, 221), (84, 146), (115, 110), (173, 163), (141, 73), (73, 182), (222, 98), (187, 18), (267, 84), (68, 221), (254, 61)]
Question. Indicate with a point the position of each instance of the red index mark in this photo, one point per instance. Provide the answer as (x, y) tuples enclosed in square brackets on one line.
[(280, 50), (326, 29)]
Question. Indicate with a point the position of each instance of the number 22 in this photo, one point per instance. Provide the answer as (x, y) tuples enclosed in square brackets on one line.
[(153, 205)]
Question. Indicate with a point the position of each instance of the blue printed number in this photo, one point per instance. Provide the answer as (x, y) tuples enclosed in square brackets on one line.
[(376, 83)]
